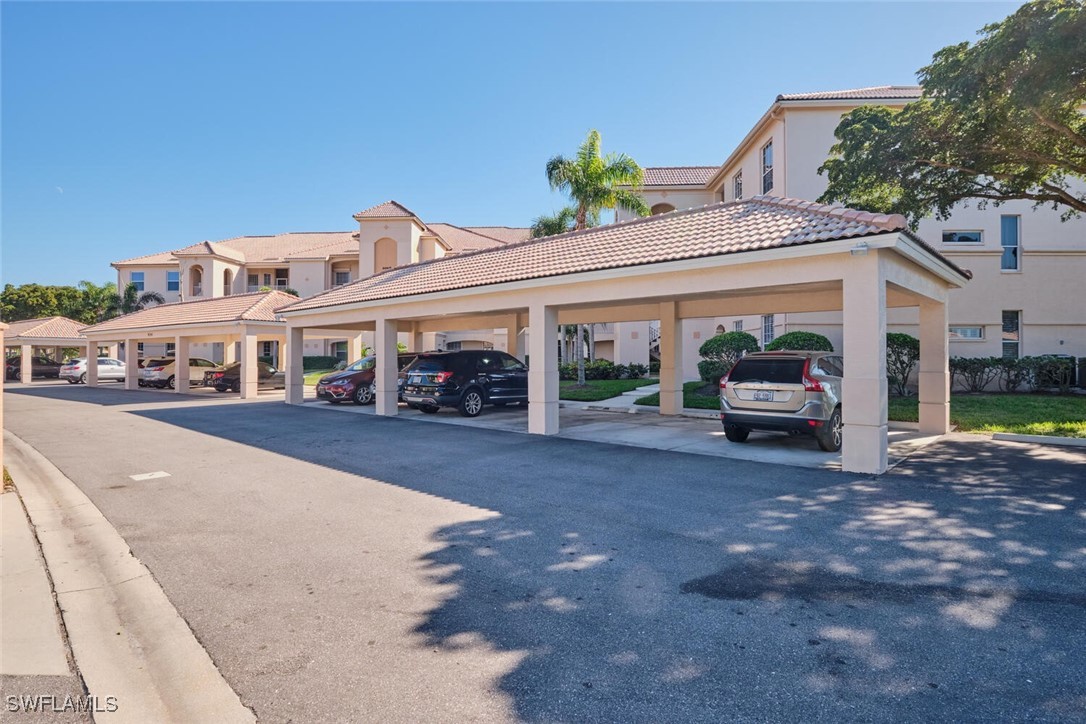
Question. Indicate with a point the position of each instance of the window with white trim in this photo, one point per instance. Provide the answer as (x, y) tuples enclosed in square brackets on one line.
[(737, 325), (171, 349), (767, 167), (342, 277), (737, 186), (966, 236), (1012, 335), (266, 350), (1010, 227), (767, 329), (136, 278), (968, 332), (173, 281)]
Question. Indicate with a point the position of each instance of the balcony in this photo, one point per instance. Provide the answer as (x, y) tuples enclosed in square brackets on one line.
[(197, 290)]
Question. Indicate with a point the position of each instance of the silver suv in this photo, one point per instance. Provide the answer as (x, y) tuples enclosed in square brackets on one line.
[(794, 392)]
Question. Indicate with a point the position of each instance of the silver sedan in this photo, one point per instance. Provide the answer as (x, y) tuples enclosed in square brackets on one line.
[(75, 370)]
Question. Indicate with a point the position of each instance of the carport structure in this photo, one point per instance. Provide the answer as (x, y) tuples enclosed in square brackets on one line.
[(244, 318), (54, 333), (760, 256)]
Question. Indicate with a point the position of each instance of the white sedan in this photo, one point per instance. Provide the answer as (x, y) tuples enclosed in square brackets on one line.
[(75, 370)]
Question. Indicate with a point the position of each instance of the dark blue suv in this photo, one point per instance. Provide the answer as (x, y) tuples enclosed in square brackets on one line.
[(466, 380)]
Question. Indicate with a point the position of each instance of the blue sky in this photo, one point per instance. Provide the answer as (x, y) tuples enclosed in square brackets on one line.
[(132, 128)]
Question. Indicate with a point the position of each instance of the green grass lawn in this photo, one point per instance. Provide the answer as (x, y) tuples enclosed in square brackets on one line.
[(311, 378), (691, 398), (599, 389), (1024, 414)]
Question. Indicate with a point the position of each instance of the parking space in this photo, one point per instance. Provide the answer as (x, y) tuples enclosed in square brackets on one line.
[(699, 435)]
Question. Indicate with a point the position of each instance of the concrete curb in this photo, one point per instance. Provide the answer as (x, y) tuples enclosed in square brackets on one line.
[(128, 640), (1040, 439)]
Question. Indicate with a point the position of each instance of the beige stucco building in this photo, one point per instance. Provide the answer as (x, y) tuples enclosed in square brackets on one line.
[(388, 235), (1026, 297)]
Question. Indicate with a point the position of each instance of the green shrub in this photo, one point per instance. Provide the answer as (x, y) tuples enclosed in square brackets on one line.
[(1015, 373), (711, 370), (315, 362), (902, 354), (637, 370), (654, 367), (799, 340), (1052, 371), (974, 373), (727, 348), (600, 369)]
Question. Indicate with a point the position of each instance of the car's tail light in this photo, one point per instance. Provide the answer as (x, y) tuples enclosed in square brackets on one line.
[(724, 381), (810, 384), (157, 369), (442, 377)]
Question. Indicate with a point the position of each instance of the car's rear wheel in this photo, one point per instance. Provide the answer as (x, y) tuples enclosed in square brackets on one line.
[(236, 387), (169, 382), (429, 409), (365, 394), (471, 404), (734, 433), (830, 435), (71, 381)]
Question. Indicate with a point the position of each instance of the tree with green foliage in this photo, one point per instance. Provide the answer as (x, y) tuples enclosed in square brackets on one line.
[(132, 300), (595, 182), (720, 353), (902, 354), (96, 300), (999, 119), (32, 301), (799, 340), (560, 222)]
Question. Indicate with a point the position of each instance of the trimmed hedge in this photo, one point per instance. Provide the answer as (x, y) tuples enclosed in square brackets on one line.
[(312, 363), (800, 340), (711, 370), (902, 354), (975, 374), (728, 347), (603, 369)]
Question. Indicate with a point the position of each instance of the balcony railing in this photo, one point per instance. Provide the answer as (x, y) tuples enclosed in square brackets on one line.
[(197, 290)]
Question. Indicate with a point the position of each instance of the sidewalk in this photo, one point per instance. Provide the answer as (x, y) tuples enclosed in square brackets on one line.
[(34, 657)]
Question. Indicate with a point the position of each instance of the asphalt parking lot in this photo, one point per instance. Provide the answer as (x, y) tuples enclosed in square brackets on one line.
[(351, 567)]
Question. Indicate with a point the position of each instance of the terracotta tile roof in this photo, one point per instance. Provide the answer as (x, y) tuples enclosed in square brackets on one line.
[(255, 307), (761, 222), (54, 327), (163, 257), (679, 175), (334, 242), (386, 210), (888, 92), (506, 234), (460, 240), (212, 248)]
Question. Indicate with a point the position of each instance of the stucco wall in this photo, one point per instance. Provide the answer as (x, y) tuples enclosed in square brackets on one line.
[(154, 280)]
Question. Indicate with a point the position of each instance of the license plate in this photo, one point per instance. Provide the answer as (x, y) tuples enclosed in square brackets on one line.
[(763, 396)]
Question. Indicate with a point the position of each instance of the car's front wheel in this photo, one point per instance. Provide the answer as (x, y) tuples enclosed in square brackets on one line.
[(169, 382), (471, 404), (734, 433), (830, 435), (365, 394), (83, 378)]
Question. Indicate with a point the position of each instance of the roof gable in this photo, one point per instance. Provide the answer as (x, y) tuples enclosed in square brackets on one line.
[(254, 307), (51, 327), (388, 210)]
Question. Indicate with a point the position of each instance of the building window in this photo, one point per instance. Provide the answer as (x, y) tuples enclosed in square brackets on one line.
[(267, 280), (171, 349), (767, 167), (737, 186), (1012, 338), (342, 277), (173, 281), (967, 332), (1009, 228), (737, 325), (266, 349), (137, 279), (971, 236), (767, 329), (454, 346), (339, 351), (139, 348)]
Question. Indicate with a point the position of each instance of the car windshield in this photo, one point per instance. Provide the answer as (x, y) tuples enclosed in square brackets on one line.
[(786, 371), (366, 363)]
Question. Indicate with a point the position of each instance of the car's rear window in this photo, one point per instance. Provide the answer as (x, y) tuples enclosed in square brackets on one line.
[(428, 364), (159, 362), (785, 371)]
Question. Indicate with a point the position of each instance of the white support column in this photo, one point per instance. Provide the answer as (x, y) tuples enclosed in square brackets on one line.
[(522, 340), (354, 348), (934, 368), (294, 372), (418, 342), (92, 364), (181, 364), (542, 370), (229, 351), (26, 363), (131, 365), (864, 395), (512, 336), (386, 373), (671, 359), (112, 350), (248, 364)]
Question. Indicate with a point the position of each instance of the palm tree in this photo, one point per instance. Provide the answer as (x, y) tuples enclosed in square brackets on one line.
[(560, 222), (132, 301), (96, 299), (595, 182)]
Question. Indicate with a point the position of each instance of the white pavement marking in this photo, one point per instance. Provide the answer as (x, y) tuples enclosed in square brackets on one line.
[(30, 642), (150, 476), (128, 640)]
